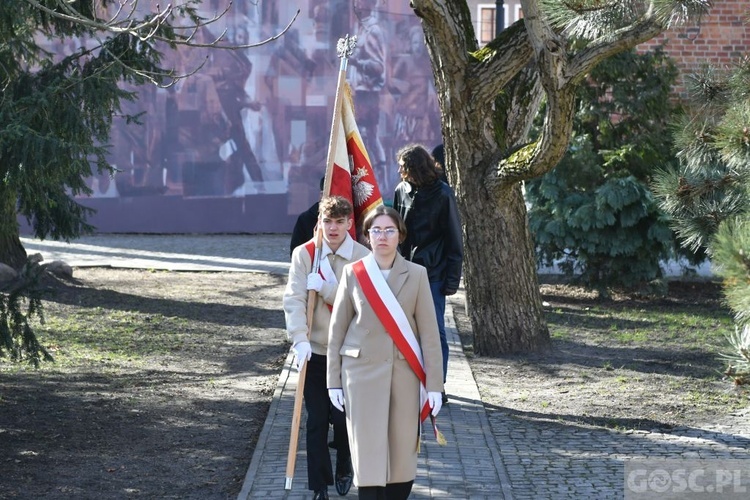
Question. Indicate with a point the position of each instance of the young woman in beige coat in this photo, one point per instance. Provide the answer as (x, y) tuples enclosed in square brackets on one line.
[(387, 379)]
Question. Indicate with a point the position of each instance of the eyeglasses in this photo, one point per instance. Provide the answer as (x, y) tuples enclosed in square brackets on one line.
[(388, 233)]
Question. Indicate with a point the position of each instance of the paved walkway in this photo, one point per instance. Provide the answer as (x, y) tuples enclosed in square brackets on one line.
[(492, 453)]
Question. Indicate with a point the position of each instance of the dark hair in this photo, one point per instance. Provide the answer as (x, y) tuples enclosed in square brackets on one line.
[(390, 212), (419, 166), (335, 207), (438, 153)]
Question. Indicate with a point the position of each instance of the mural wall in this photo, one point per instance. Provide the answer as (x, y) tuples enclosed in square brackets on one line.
[(241, 145)]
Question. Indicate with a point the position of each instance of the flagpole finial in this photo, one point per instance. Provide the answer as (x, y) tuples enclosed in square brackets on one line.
[(345, 46)]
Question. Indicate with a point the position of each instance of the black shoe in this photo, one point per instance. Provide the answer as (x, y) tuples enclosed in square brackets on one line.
[(445, 398), (344, 478), (321, 494)]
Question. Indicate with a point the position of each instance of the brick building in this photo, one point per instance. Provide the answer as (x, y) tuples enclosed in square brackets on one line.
[(720, 39)]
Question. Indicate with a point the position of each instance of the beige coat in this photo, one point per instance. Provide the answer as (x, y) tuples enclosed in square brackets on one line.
[(296, 293), (380, 389)]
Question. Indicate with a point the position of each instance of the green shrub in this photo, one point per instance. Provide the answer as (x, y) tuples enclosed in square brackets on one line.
[(594, 214)]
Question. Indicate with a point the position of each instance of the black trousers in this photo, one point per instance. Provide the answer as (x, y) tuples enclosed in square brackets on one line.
[(320, 414), (391, 491)]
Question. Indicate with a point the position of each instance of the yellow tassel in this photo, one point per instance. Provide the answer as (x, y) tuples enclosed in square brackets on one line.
[(441, 439), (438, 435)]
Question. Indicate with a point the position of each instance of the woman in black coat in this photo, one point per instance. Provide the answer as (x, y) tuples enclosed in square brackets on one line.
[(434, 240)]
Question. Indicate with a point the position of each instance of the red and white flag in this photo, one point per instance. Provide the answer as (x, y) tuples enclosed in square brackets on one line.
[(353, 176)]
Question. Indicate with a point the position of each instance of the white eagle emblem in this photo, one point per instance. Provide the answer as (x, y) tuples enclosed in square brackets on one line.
[(361, 190)]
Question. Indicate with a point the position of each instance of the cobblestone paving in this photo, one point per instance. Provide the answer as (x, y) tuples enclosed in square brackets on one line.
[(563, 460)]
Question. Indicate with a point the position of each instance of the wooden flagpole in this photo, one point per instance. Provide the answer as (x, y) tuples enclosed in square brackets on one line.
[(344, 49)]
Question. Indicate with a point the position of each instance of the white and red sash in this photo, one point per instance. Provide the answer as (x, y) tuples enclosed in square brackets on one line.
[(324, 267), (392, 316)]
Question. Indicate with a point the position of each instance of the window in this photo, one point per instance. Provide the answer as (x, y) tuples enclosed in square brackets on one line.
[(486, 24), (486, 18)]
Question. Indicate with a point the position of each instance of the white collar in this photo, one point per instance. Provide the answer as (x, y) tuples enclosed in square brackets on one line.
[(346, 250)]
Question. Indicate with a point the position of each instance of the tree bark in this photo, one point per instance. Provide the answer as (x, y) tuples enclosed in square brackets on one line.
[(500, 275), (12, 252)]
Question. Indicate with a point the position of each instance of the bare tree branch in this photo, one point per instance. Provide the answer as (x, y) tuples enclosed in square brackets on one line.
[(149, 28), (622, 39), (496, 68), (441, 17), (559, 72)]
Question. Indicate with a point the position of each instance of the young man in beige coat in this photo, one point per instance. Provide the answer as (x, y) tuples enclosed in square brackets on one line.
[(338, 249)]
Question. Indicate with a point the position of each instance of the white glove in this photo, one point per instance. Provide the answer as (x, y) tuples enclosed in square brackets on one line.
[(337, 398), (303, 352), (314, 282), (435, 400)]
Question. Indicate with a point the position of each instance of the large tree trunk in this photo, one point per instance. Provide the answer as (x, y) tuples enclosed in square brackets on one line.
[(503, 298), (12, 252), (505, 304)]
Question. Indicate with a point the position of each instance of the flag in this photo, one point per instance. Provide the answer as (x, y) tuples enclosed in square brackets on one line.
[(352, 175)]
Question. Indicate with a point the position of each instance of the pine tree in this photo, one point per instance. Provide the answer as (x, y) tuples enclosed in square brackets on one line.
[(55, 118), (708, 196), (594, 215)]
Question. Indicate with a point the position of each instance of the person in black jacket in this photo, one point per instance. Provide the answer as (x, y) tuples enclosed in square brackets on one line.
[(433, 236), (304, 228)]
